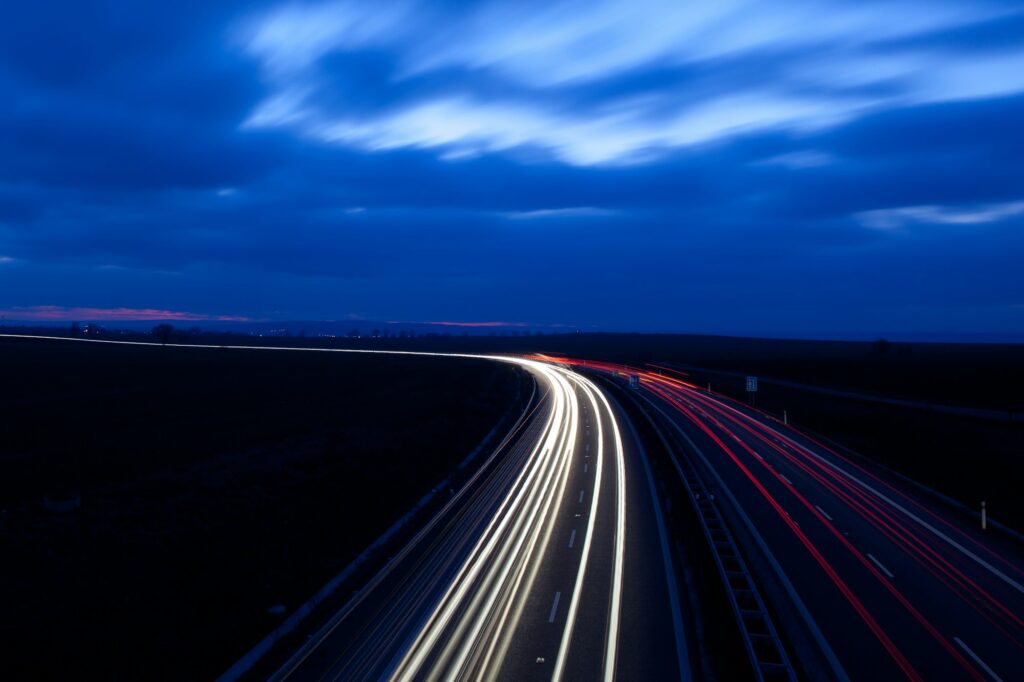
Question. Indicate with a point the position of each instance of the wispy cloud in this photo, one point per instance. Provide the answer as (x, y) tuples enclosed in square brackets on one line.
[(825, 60), (448, 323), (624, 133), (897, 218), (55, 313), (799, 160), (571, 212)]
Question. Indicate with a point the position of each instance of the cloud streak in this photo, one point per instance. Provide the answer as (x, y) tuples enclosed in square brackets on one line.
[(896, 218)]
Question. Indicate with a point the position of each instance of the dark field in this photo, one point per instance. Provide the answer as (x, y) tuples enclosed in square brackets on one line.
[(214, 485)]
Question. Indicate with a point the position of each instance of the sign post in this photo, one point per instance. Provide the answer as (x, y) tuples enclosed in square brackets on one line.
[(752, 390)]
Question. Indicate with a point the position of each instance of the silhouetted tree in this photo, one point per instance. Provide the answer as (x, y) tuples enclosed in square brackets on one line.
[(163, 332), (76, 330), (881, 347), (353, 334)]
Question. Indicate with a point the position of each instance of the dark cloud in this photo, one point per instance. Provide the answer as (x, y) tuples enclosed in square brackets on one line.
[(113, 150)]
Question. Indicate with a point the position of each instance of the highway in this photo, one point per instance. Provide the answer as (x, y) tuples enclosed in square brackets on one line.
[(873, 579), (553, 561), (530, 570)]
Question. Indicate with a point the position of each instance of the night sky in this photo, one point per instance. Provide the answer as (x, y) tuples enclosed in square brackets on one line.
[(779, 168)]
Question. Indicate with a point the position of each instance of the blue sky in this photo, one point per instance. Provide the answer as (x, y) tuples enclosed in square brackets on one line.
[(784, 168)]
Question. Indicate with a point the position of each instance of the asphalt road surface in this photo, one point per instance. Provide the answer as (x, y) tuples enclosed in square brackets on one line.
[(884, 582)]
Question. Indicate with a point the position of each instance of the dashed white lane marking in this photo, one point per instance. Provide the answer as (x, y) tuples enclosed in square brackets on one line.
[(759, 456), (581, 497), (584, 467), (554, 607), (572, 538), (878, 563), (786, 479), (977, 659), (822, 512)]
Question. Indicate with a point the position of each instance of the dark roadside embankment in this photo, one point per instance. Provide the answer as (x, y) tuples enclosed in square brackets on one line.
[(211, 486)]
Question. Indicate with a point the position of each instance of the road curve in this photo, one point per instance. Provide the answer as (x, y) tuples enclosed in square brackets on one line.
[(522, 575), (529, 571)]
